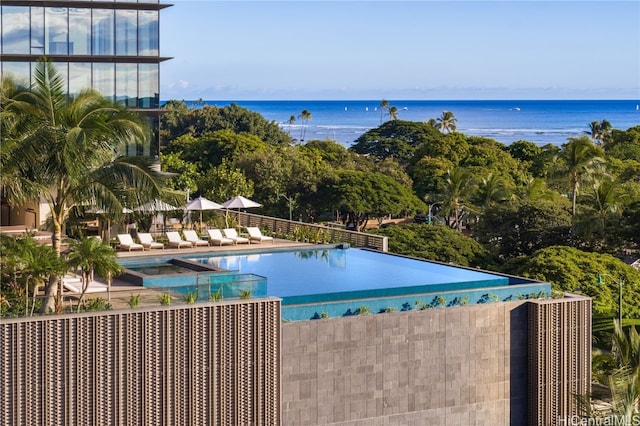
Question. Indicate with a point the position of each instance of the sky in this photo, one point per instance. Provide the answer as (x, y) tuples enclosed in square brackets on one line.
[(393, 49)]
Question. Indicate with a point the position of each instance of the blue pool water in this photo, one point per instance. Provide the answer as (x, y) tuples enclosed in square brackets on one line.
[(333, 281), (320, 275)]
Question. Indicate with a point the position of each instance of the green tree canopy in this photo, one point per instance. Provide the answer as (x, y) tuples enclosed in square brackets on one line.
[(360, 196), (438, 243), (570, 269), (522, 227), (396, 138), (178, 120)]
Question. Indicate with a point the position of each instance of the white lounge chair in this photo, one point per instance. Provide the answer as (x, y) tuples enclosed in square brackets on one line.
[(74, 285), (232, 234), (127, 243), (256, 235), (216, 237), (176, 241), (192, 236), (146, 239)]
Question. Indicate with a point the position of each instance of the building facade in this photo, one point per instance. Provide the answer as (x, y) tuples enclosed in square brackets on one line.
[(112, 46)]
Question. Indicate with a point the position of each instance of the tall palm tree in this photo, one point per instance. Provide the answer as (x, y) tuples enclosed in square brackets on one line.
[(92, 255), (491, 189), (600, 132), (458, 188), (305, 116), (446, 123), (68, 151), (290, 122), (384, 106), (393, 113), (580, 156)]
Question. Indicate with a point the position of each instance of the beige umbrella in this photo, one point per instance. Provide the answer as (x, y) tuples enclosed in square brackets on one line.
[(240, 202), (201, 204)]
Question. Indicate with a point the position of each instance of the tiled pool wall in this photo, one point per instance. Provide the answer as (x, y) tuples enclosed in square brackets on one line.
[(431, 300)]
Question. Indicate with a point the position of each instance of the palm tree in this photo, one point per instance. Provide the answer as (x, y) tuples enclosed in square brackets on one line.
[(384, 106), (26, 265), (600, 132), (458, 188), (491, 189), (290, 122), (606, 196), (393, 113), (92, 255), (67, 151), (304, 116), (580, 156), (446, 123), (622, 381)]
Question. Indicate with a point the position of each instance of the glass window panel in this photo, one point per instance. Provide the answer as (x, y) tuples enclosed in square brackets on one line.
[(80, 34), (126, 33), (37, 31), (148, 33), (18, 70), (148, 86), (103, 31), (56, 31), (79, 77), (127, 84), (104, 80), (15, 29)]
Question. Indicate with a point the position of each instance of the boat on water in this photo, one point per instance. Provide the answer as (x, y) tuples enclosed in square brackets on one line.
[(515, 109)]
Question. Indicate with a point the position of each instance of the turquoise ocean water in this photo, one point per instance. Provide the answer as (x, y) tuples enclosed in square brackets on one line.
[(537, 121)]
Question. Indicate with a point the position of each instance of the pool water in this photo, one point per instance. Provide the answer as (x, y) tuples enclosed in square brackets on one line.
[(320, 275), (335, 281)]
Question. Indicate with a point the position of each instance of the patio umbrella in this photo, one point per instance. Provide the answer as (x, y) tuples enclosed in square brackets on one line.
[(201, 204), (156, 206), (239, 202)]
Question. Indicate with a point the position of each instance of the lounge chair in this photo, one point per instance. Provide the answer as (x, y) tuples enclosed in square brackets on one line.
[(216, 237), (191, 236), (256, 235), (232, 234), (74, 285), (126, 243), (176, 241), (146, 239)]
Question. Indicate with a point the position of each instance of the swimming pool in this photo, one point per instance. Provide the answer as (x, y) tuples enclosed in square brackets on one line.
[(335, 281)]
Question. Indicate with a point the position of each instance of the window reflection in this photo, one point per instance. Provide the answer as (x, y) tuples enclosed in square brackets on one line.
[(148, 33), (104, 80), (127, 84), (148, 94), (79, 77), (103, 31), (19, 71), (37, 31), (80, 34), (126, 33), (55, 31), (15, 29)]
